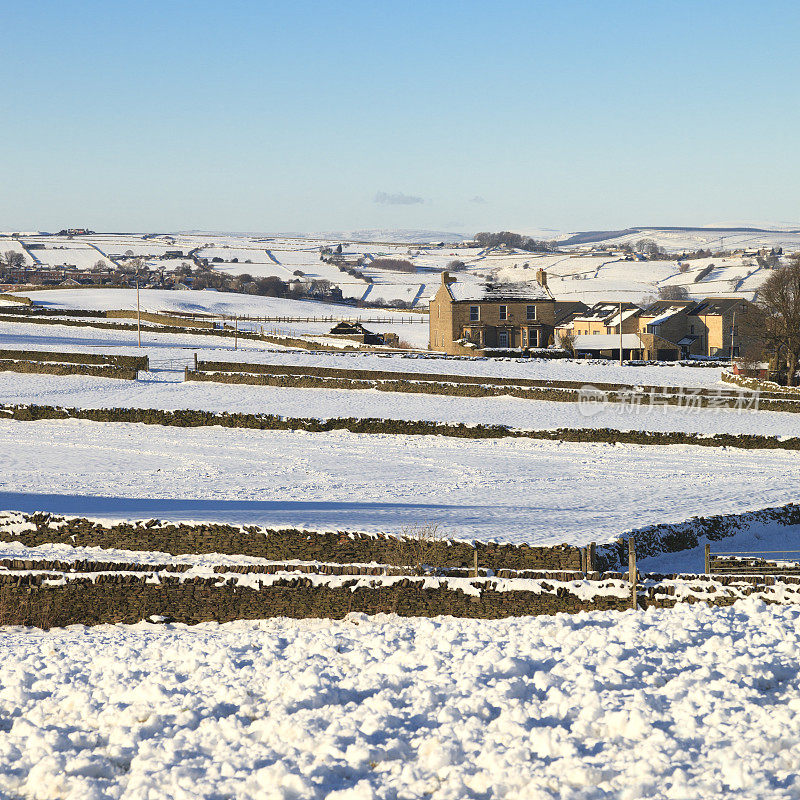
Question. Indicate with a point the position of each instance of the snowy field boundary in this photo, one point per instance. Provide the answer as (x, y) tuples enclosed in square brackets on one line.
[(590, 396), (655, 540), (420, 548), (47, 599), (228, 332), (758, 385), (373, 373), (51, 368), (27, 412)]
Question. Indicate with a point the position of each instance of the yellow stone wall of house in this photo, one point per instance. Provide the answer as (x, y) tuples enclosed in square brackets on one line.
[(589, 327), (718, 331), (629, 325), (449, 319), (672, 329)]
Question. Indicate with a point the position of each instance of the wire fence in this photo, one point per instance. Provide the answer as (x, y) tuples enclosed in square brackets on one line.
[(752, 562)]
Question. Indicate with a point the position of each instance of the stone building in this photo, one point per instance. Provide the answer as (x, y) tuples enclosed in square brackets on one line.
[(469, 318), (713, 326), (602, 319)]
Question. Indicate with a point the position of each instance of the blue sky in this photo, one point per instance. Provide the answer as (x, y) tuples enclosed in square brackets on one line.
[(463, 116)]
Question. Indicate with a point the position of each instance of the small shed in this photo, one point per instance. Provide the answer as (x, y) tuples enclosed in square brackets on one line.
[(357, 332)]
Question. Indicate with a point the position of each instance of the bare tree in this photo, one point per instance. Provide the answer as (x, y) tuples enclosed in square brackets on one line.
[(566, 341), (13, 258), (672, 292), (777, 323)]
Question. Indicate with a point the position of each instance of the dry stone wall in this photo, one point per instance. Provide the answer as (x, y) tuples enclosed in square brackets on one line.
[(190, 418), (282, 545)]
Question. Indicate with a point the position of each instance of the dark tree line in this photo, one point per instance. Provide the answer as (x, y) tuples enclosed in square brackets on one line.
[(515, 240), (395, 264)]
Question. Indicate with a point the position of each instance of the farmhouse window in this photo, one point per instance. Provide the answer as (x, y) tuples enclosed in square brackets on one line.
[(531, 312), (503, 312), (474, 313)]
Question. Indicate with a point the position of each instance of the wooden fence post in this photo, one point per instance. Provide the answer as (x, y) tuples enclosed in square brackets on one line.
[(475, 562), (592, 556), (195, 362), (632, 570), (708, 559)]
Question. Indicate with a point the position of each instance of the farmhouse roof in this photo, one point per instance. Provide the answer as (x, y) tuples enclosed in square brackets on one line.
[(498, 292), (660, 306), (347, 327), (714, 306)]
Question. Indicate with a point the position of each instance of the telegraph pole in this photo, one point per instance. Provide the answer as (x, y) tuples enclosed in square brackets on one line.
[(236, 333), (138, 314), (620, 333)]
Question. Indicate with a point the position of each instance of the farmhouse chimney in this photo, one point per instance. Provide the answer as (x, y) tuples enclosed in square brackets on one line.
[(541, 276), (446, 278)]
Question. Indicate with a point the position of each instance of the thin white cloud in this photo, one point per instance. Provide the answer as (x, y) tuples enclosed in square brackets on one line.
[(397, 199)]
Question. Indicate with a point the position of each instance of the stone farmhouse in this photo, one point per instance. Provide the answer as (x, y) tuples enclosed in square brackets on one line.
[(469, 318), (473, 318)]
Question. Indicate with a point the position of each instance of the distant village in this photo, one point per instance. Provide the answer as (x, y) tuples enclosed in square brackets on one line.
[(127, 270)]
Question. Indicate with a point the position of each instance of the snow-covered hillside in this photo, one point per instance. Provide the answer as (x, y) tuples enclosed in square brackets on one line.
[(579, 271)]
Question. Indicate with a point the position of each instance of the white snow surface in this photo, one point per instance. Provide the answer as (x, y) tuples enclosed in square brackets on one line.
[(231, 304), (167, 391), (209, 302), (509, 490), (683, 703)]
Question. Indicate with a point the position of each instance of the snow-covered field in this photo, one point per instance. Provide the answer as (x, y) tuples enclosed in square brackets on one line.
[(207, 301), (512, 490), (85, 338), (67, 252), (687, 703), (676, 240), (168, 391), (231, 304), (8, 244)]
